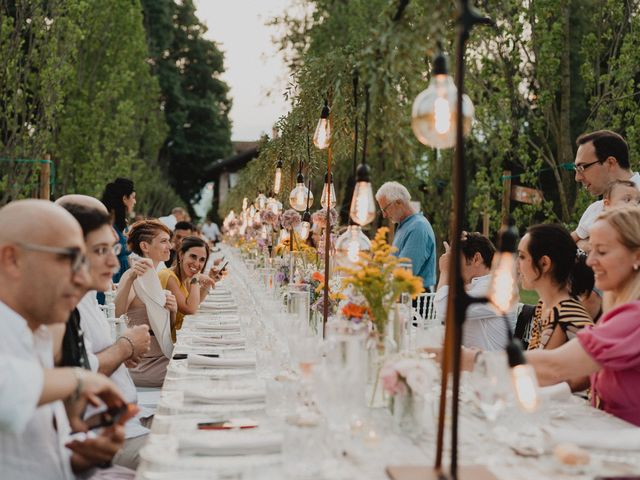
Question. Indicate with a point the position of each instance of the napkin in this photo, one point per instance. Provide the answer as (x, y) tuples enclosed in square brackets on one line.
[(560, 392), (227, 327), (149, 290), (225, 397), (217, 341), (194, 360), (616, 438), (228, 445)]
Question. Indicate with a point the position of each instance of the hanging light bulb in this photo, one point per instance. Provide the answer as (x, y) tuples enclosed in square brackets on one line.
[(245, 203), (350, 244), (503, 289), (277, 181), (523, 377), (264, 233), (284, 235), (298, 196), (434, 112), (261, 201), (305, 226), (322, 135), (363, 205), (328, 192)]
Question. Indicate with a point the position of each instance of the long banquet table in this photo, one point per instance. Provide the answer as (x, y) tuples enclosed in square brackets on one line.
[(515, 446)]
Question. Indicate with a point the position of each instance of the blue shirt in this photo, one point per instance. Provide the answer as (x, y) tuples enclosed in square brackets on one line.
[(416, 241)]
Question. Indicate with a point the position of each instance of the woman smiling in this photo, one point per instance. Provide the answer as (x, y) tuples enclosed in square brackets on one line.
[(186, 280)]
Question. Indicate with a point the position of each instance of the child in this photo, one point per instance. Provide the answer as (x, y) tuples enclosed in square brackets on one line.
[(621, 193)]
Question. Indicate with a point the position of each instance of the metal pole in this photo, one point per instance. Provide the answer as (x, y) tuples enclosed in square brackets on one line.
[(327, 240)]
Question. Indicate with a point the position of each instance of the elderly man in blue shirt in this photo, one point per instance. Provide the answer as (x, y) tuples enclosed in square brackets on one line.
[(414, 236)]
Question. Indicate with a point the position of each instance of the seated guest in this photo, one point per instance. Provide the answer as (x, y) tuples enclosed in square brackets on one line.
[(182, 230), (548, 262), (42, 277), (186, 280), (178, 214), (483, 327), (621, 193), (104, 355), (149, 239), (610, 351), (119, 197)]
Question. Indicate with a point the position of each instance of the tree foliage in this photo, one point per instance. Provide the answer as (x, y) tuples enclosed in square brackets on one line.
[(550, 70)]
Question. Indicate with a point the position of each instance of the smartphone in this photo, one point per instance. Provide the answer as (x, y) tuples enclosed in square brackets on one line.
[(183, 356), (224, 266), (111, 417), (242, 423)]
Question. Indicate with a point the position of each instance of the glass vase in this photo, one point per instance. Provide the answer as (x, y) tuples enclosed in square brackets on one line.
[(407, 413)]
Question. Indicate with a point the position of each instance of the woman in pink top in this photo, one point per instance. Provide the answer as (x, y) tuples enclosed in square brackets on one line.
[(610, 351)]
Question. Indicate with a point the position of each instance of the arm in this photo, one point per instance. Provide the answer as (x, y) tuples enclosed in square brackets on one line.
[(186, 305), (123, 296), (567, 362), (128, 347)]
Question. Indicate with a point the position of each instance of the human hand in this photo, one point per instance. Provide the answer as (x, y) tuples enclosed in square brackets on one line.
[(98, 451), (445, 258), (171, 304), (205, 280), (140, 338), (95, 389), (141, 265)]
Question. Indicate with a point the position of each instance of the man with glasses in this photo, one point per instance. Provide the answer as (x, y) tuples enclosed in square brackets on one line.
[(414, 237), (602, 157), (42, 278), (105, 356)]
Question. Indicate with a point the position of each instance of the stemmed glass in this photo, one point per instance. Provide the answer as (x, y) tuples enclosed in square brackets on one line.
[(489, 384)]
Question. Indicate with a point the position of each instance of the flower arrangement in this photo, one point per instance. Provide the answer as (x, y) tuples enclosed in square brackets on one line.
[(354, 312), (319, 217), (268, 217), (317, 294), (290, 219), (402, 374), (377, 277)]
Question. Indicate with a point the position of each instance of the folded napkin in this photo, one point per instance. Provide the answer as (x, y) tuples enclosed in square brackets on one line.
[(148, 289), (225, 397), (229, 445), (560, 392), (195, 360), (616, 438), (217, 341), (226, 327)]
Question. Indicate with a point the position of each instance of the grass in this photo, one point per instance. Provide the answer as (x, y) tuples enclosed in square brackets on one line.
[(529, 297)]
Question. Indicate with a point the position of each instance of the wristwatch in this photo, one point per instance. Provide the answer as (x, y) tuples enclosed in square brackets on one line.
[(194, 281)]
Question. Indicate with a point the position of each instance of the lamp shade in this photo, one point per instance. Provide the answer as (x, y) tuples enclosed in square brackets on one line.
[(434, 113)]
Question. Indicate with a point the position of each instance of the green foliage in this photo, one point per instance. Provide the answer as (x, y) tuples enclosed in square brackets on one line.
[(195, 101), (548, 73)]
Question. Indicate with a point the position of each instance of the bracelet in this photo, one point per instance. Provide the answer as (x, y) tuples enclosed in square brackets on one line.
[(133, 349), (79, 374)]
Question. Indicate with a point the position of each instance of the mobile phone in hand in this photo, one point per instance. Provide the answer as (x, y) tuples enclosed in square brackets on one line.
[(224, 266), (111, 416)]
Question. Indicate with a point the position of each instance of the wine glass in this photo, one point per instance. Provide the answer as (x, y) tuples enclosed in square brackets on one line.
[(489, 385)]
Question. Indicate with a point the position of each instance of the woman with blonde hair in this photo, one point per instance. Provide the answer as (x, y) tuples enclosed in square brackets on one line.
[(610, 351), (140, 296)]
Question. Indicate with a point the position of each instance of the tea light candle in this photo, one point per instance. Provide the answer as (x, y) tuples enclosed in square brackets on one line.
[(371, 438)]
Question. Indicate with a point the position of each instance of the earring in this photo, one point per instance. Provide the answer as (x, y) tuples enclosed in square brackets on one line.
[(635, 267)]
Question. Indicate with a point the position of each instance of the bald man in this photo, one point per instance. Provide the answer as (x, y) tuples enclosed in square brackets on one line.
[(104, 355), (42, 278)]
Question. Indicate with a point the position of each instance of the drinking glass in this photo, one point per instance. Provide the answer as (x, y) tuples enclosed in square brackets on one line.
[(489, 385)]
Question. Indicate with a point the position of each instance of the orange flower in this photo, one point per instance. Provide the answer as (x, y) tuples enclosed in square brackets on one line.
[(318, 277), (351, 310)]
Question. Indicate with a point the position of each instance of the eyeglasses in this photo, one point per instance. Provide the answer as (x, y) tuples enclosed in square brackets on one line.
[(583, 166), (103, 250), (384, 210), (74, 254)]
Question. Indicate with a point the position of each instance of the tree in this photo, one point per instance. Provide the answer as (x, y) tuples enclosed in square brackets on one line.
[(194, 99)]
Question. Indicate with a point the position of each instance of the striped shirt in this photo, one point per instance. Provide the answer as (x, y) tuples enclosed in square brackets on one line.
[(569, 314)]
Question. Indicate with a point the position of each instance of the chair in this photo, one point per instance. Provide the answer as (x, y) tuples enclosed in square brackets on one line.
[(424, 311)]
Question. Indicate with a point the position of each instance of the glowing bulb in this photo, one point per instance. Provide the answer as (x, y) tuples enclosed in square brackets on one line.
[(245, 203), (328, 193), (298, 197), (284, 235), (261, 201), (525, 386), (350, 244), (277, 182), (363, 204), (305, 228), (264, 233), (322, 135), (503, 292)]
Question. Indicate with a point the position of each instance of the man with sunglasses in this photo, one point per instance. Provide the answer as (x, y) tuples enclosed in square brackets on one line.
[(43, 275), (105, 356), (602, 157)]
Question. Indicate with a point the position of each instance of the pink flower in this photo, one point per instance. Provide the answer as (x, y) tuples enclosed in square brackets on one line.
[(290, 219)]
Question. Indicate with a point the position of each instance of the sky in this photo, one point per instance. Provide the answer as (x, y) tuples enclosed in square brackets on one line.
[(255, 71)]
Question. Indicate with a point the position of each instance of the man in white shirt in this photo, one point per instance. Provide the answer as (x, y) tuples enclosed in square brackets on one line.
[(104, 355), (483, 327), (42, 278), (211, 231), (602, 157), (177, 215)]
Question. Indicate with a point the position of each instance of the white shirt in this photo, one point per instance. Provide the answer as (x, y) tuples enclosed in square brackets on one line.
[(170, 221), (596, 208), (33, 450), (211, 231), (483, 327), (97, 337)]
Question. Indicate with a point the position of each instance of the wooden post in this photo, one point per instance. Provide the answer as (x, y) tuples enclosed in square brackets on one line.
[(45, 178), (485, 223), (506, 195)]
